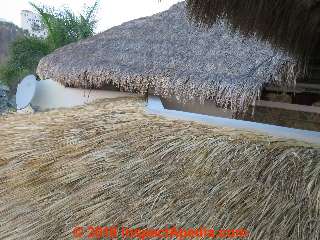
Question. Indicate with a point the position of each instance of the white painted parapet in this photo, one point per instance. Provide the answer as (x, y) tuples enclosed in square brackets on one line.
[(155, 106)]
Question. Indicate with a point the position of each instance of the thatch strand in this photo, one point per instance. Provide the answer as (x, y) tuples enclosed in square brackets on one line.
[(287, 24), (166, 53), (109, 163)]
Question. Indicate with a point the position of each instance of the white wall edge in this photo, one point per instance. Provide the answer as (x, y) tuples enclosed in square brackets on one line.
[(155, 106)]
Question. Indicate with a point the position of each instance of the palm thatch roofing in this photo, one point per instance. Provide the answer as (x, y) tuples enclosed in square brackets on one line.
[(167, 54), (109, 163), (293, 25)]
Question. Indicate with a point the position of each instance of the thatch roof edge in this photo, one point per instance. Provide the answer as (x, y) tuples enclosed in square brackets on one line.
[(186, 90)]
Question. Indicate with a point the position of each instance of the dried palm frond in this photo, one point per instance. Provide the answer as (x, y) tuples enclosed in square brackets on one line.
[(109, 163), (287, 24), (166, 53)]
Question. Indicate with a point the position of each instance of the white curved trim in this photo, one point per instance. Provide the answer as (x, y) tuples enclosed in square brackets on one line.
[(155, 106)]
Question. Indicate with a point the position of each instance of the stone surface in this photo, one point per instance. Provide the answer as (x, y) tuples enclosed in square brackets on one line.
[(5, 102), (8, 33)]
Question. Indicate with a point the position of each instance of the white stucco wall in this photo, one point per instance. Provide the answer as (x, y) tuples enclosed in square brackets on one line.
[(50, 94), (207, 108)]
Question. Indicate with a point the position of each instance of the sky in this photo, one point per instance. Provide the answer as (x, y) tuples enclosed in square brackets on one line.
[(111, 12)]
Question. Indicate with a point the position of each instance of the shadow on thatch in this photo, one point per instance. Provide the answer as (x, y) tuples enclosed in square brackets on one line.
[(109, 163), (289, 24), (166, 53)]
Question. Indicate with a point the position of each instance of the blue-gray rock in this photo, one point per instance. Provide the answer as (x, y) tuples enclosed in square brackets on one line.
[(5, 102)]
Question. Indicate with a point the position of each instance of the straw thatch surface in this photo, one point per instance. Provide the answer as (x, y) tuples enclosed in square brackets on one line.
[(166, 53), (290, 24), (109, 163)]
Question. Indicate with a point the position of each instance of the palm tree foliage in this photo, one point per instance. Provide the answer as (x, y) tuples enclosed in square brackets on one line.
[(63, 26), (24, 56)]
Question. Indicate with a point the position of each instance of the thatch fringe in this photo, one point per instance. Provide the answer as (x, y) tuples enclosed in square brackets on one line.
[(109, 163), (167, 54), (225, 92), (287, 24)]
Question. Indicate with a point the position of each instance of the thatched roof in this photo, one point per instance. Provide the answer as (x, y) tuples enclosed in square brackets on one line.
[(166, 53), (290, 24), (109, 164)]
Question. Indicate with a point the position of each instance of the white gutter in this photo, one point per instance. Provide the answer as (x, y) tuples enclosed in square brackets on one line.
[(155, 106)]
